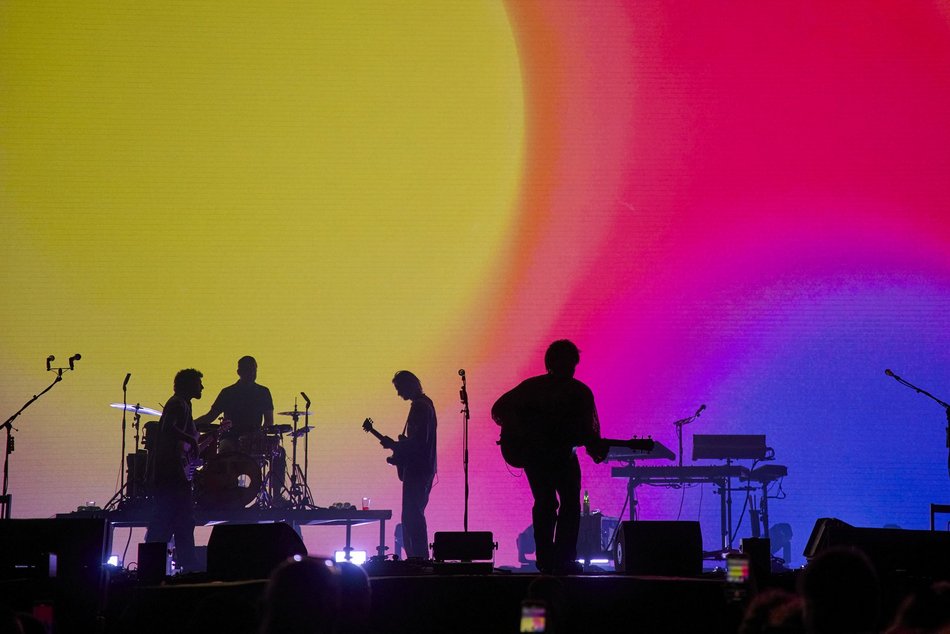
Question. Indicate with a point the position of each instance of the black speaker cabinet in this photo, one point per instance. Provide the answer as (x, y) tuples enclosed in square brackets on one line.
[(250, 551), (463, 546), (891, 550), (58, 558), (154, 562), (673, 549)]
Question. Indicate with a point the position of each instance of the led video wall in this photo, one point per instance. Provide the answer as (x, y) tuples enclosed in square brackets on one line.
[(738, 205)]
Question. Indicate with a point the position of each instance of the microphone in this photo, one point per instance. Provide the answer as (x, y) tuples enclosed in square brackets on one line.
[(462, 373), (126, 381), (73, 359), (888, 373), (306, 399), (700, 410), (49, 361)]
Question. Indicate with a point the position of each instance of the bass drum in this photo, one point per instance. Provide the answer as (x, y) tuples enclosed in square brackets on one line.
[(229, 481)]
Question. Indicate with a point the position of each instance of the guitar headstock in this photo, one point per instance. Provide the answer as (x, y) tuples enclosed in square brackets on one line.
[(368, 425)]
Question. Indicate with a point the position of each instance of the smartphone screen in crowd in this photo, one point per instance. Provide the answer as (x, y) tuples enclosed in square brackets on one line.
[(533, 616)]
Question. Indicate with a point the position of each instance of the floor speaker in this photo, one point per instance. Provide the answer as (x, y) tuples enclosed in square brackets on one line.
[(891, 550), (250, 551), (154, 562), (673, 549), (463, 546)]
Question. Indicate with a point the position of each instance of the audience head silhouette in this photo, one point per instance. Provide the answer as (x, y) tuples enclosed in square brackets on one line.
[(302, 597), (355, 599), (842, 593)]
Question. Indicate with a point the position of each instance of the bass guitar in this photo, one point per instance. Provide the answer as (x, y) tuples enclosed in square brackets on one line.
[(389, 443)]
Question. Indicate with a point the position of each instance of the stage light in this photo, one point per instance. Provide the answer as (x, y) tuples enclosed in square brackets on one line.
[(357, 557), (113, 561)]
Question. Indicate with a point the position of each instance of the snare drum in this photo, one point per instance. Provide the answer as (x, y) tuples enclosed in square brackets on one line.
[(259, 444)]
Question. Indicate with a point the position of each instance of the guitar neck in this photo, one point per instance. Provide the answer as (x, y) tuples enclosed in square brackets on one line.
[(378, 435)]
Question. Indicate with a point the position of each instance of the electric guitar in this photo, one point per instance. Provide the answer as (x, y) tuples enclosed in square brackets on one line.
[(516, 448), (395, 459), (191, 452)]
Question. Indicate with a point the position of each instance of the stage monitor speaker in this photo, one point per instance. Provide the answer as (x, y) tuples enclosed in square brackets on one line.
[(891, 550), (463, 546), (250, 551), (154, 562), (661, 548)]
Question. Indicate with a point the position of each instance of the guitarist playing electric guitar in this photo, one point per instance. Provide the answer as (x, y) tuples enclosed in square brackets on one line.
[(414, 456), (168, 475), (191, 451), (397, 459), (546, 417)]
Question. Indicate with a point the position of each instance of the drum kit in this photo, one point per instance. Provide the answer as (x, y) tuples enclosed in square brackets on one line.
[(246, 472)]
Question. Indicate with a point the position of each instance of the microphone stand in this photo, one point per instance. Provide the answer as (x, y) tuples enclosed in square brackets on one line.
[(463, 395), (122, 459), (679, 430), (306, 448), (946, 406), (6, 499)]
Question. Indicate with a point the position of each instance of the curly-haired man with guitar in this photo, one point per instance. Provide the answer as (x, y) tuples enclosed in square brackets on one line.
[(170, 468)]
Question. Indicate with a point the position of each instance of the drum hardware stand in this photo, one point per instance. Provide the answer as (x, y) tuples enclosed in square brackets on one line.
[(122, 497), (299, 491), (6, 498), (264, 498)]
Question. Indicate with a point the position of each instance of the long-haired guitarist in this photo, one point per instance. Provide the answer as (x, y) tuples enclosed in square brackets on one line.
[(169, 471), (543, 419), (415, 456)]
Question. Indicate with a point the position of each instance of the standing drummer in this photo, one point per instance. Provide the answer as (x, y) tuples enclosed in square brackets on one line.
[(246, 404)]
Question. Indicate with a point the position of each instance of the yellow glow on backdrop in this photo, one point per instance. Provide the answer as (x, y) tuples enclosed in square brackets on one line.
[(325, 186)]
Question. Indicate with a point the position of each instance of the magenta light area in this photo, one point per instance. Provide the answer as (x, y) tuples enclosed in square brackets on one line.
[(770, 235)]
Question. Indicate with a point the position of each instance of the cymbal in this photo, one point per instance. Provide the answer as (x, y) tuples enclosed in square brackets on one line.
[(277, 429), (303, 430), (148, 411), (293, 413)]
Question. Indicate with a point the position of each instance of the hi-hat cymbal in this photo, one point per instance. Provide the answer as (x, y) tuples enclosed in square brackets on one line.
[(295, 413), (148, 411), (303, 430), (277, 429)]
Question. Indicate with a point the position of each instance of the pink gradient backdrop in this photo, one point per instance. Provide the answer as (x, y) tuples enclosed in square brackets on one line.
[(743, 205)]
